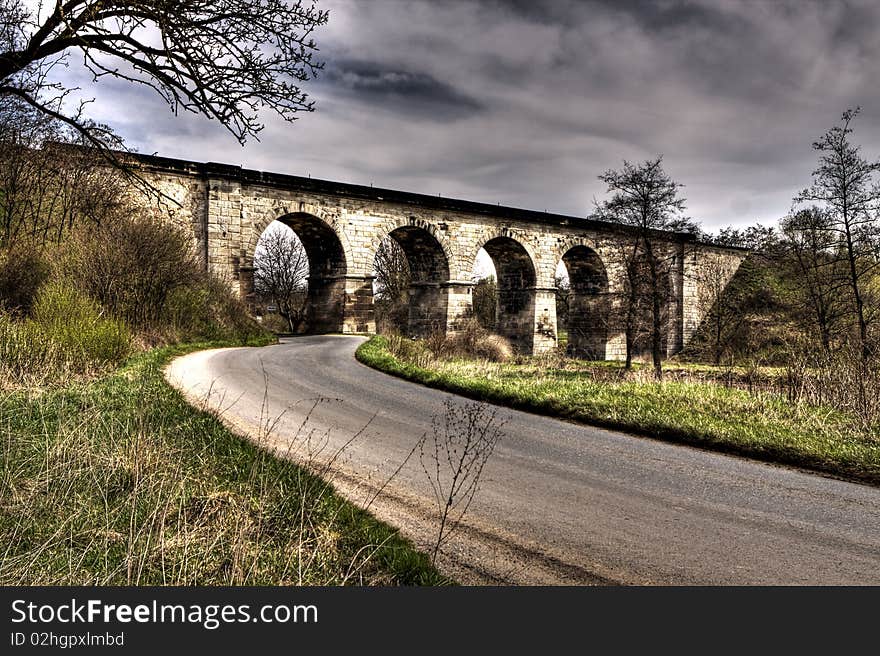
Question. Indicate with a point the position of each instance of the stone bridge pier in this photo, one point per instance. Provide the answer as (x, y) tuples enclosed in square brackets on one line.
[(342, 226)]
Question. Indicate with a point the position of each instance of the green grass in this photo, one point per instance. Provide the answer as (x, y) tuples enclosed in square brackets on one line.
[(762, 426), (119, 481)]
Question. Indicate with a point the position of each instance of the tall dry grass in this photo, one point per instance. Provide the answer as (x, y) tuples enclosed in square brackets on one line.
[(470, 341), (843, 380)]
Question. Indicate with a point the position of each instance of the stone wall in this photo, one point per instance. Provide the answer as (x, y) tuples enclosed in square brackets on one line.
[(706, 271)]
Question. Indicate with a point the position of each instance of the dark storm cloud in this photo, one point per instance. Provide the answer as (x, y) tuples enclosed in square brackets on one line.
[(732, 94), (399, 90), (672, 14), (658, 16), (538, 11)]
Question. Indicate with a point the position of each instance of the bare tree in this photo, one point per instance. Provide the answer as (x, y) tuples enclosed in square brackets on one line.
[(392, 270), (845, 188), (281, 270), (46, 186), (563, 298), (461, 442), (628, 312), (393, 277), (485, 302), (645, 198), (816, 272), (224, 59)]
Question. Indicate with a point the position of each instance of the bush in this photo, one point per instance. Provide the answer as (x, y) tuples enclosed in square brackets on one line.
[(842, 380), (403, 348), (22, 270), (206, 309), (228, 315), (474, 341), (485, 302), (274, 323), (27, 356), (392, 315), (131, 264), (74, 322), (67, 336), (145, 272)]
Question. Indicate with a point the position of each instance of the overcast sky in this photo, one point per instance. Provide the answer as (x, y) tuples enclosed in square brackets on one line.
[(525, 102)]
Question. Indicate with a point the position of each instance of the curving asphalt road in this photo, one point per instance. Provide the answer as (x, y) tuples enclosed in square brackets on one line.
[(560, 503)]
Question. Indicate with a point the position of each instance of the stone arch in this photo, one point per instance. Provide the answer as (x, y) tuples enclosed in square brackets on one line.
[(429, 271), (588, 315), (282, 209), (469, 258), (384, 230), (516, 278), (564, 245), (329, 260)]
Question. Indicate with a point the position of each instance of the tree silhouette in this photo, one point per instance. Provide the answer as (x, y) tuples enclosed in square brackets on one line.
[(225, 59), (281, 272), (646, 199), (845, 187)]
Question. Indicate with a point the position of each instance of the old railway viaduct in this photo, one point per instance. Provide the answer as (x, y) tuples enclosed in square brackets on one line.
[(341, 227)]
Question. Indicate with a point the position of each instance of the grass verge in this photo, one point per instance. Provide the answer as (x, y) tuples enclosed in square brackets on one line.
[(119, 481), (760, 426)]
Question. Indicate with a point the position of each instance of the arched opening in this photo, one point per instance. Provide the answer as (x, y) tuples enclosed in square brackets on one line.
[(280, 279), (410, 268), (582, 308), (515, 284), (484, 296), (299, 265)]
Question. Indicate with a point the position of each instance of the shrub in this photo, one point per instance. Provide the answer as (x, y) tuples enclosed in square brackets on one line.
[(74, 322), (493, 347), (186, 312), (27, 356), (274, 323), (392, 315), (226, 315), (67, 336), (476, 342), (206, 309), (22, 270), (403, 348), (131, 264), (145, 272), (485, 302), (842, 380), (472, 341)]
